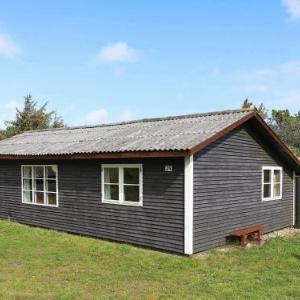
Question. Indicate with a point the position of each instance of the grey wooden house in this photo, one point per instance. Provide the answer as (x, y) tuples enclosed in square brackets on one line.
[(180, 184)]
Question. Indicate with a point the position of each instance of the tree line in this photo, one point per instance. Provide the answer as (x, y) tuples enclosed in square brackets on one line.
[(31, 117), (283, 122)]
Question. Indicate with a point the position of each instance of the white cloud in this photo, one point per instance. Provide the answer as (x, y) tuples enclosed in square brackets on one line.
[(96, 117), (126, 115), (292, 8), (276, 86), (287, 70), (290, 99), (118, 52), (9, 48)]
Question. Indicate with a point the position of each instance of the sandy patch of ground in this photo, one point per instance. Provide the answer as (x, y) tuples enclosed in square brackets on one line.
[(286, 232)]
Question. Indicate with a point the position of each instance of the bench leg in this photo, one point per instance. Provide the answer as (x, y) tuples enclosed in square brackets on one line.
[(257, 236), (244, 240)]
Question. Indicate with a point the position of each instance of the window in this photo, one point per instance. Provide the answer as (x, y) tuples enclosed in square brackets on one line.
[(271, 183), (122, 184), (39, 185)]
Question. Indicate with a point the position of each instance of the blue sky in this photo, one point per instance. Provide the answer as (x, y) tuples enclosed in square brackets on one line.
[(103, 61)]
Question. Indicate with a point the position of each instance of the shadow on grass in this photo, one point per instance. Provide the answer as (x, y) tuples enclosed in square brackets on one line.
[(296, 255)]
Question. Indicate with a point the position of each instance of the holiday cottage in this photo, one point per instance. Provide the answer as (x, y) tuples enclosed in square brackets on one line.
[(180, 184)]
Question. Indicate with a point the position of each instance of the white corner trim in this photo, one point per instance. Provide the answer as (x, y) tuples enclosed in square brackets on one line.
[(188, 204), (294, 198)]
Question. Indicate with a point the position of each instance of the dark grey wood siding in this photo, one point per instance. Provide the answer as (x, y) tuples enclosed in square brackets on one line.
[(297, 211), (228, 189), (159, 223)]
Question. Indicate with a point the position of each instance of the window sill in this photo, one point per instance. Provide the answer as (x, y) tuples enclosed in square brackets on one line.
[(137, 204), (271, 199), (43, 205)]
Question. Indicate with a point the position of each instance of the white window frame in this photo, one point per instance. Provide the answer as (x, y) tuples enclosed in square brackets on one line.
[(33, 190), (121, 184), (272, 169)]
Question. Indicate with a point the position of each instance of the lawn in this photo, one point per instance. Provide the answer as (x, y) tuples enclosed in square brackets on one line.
[(43, 264)]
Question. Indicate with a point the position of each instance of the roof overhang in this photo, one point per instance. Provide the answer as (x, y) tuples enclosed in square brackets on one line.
[(105, 155)]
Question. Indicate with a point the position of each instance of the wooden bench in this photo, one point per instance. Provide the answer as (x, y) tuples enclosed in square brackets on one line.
[(242, 234)]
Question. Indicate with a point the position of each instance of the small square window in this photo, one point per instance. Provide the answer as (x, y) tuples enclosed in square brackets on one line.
[(272, 183)]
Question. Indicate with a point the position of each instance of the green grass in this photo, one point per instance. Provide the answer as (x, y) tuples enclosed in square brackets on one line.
[(43, 264)]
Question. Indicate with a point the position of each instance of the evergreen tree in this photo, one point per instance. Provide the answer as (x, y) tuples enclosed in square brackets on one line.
[(261, 109), (285, 124), (287, 127), (247, 104), (30, 118)]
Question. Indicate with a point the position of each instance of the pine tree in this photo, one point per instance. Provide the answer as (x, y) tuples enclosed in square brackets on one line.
[(247, 104), (31, 117), (285, 124), (261, 109)]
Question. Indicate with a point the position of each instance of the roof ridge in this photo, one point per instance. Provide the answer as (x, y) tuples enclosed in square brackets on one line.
[(145, 120)]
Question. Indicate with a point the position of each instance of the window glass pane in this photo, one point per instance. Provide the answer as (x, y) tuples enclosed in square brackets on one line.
[(38, 172), (267, 190), (27, 196), (39, 184), (131, 175), (27, 172), (111, 175), (267, 176), (277, 176), (276, 190), (131, 193), (111, 192), (51, 185), (51, 198), (27, 184), (51, 172), (39, 197)]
